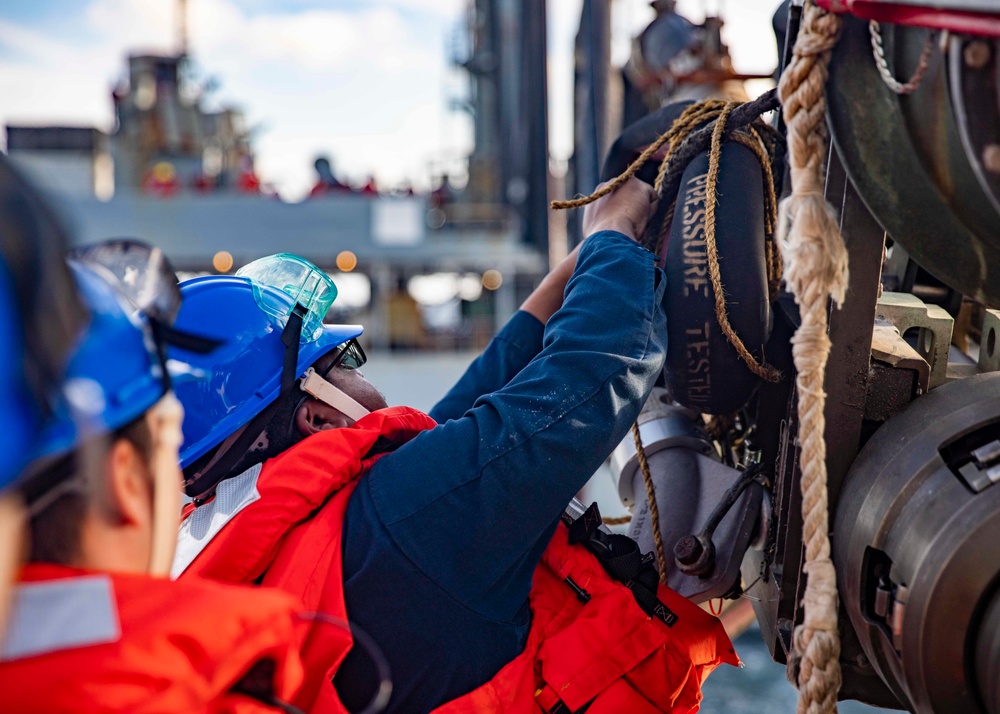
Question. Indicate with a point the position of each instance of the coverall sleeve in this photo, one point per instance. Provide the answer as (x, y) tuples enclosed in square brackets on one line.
[(473, 503), (507, 354)]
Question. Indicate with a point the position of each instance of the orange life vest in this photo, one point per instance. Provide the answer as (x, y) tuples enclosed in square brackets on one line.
[(90, 641), (281, 525)]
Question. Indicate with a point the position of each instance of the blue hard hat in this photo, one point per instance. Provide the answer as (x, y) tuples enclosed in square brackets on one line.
[(114, 375), (221, 392)]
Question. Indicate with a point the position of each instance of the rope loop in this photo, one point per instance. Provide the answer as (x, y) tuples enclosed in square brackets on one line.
[(897, 87)]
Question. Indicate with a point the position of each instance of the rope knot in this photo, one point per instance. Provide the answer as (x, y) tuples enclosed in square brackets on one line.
[(811, 246), (815, 271)]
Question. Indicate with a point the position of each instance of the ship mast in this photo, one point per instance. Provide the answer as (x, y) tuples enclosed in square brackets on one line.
[(182, 28)]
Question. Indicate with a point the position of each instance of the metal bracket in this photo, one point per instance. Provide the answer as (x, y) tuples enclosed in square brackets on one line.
[(905, 311), (897, 376), (984, 469), (888, 346), (989, 347), (890, 606)]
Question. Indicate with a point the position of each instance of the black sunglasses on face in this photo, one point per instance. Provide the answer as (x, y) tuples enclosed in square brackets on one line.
[(351, 356)]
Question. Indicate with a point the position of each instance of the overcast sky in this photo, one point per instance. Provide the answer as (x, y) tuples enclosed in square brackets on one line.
[(366, 81)]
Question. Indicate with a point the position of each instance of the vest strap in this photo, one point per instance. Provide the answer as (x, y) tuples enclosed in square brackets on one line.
[(620, 557)]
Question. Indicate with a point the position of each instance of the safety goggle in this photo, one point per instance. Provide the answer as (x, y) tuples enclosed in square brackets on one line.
[(140, 272), (312, 290), (146, 280)]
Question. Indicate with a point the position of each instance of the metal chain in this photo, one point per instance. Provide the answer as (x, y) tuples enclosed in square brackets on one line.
[(883, 66)]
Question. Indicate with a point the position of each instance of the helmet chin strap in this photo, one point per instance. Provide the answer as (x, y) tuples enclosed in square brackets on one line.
[(201, 485), (164, 421)]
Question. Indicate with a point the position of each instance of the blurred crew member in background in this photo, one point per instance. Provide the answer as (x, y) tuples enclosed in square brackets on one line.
[(95, 624), (247, 181), (431, 536), (40, 319), (326, 182), (161, 181)]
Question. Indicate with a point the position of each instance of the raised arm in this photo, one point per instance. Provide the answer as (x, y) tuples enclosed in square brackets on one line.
[(506, 355), (506, 469), (521, 338)]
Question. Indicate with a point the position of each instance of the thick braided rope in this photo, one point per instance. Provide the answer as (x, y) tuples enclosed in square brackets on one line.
[(815, 270)]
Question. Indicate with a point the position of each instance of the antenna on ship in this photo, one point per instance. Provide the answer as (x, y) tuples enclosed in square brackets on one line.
[(182, 28)]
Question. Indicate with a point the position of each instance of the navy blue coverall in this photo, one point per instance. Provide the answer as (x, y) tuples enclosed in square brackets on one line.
[(442, 536)]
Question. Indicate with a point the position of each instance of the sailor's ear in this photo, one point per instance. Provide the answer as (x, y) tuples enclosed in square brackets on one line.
[(315, 416), (129, 492)]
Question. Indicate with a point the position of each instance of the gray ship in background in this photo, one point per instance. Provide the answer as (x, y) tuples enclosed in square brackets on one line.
[(182, 178)]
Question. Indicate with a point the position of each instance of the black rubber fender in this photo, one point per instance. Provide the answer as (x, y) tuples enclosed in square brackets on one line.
[(703, 370)]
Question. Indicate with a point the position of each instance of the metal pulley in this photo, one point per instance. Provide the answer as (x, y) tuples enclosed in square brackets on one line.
[(915, 545), (689, 482), (943, 136)]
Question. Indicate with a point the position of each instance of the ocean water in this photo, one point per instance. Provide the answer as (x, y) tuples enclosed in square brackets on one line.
[(760, 687)]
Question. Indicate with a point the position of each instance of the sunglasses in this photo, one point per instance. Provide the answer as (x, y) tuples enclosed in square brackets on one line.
[(350, 356)]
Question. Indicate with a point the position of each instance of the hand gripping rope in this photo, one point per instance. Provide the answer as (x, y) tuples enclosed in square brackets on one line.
[(703, 126)]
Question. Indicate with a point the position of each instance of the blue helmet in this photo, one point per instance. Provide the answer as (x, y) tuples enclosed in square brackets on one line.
[(18, 410), (114, 376), (260, 357)]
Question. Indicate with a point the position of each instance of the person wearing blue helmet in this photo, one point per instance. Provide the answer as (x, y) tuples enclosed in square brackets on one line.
[(95, 624), (40, 319), (440, 535), (41, 313)]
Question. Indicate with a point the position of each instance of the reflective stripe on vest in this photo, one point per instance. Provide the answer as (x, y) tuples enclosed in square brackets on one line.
[(205, 522), (61, 614)]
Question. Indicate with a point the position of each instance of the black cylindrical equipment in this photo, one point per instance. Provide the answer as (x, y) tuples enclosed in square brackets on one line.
[(917, 547), (925, 163), (703, 369)]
